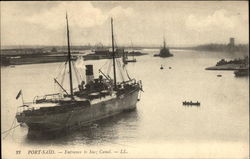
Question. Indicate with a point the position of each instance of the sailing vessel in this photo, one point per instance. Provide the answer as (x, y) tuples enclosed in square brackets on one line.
[(164, 52), (94, 100)]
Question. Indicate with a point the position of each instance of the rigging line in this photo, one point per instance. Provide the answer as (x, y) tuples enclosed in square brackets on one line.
[(80, 76), (59, 69), (74, 68), (116, 46), (10, 129), (64, 71), (119, 64), (82, 70), (125, 70), (109, 67), (115, 40), (128, 75), (122, 70), (104, 64), (77, 78), (13, 130)]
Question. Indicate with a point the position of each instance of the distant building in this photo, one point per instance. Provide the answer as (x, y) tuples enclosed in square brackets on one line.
[(53, 49), (231, 45), (231, 42)]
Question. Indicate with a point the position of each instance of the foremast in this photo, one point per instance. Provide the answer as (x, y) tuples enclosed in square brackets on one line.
[(113, 52), (69, 59)]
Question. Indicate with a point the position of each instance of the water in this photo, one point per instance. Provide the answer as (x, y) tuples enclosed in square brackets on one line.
[(161, 126)]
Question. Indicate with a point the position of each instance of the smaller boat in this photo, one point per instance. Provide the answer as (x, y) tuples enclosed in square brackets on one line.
[(133, 60), (219, 75), (170, 67), (185, 103), (161, 67), (125, 58)]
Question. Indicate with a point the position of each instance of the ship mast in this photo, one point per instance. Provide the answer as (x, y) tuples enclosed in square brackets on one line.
[(113, 52), (69, 58), (164, 42)]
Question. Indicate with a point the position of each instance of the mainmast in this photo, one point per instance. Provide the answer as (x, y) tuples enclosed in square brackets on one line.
[(69, 58), (113, 52), (164, 42)]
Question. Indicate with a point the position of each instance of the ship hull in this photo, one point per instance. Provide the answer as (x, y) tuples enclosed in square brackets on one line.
[(81, 116)]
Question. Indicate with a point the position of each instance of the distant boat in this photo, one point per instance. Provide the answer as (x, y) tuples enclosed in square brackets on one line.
[(126, 60), (125, 56), (136, 53), (164, 52), (191, 103), (219, 75), (161, 67), (133, 60)]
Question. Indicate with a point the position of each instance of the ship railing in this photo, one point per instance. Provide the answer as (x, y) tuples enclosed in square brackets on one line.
[(131, 81), (48, 98), (22, 108)]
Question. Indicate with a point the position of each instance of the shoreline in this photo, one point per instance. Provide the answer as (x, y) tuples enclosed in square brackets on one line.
[(227, 67)]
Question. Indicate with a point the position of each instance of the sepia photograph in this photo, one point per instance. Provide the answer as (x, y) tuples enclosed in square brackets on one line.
[(124, 79)]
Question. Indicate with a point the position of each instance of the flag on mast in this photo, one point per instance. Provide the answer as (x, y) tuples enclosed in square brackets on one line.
[(19, 93)]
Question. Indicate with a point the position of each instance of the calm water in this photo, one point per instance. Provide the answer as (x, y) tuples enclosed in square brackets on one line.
[(160, 126)]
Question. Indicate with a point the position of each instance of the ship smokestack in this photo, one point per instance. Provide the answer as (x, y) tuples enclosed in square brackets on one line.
[(89, 73)]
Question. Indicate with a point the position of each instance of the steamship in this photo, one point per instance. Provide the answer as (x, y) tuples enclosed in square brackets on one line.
[(94, 100), (164, 52)]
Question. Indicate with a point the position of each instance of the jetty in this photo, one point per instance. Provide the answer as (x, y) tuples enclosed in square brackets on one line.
[(235, 64)]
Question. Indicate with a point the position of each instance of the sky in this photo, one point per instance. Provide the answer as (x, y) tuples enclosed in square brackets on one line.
[(145, 23)]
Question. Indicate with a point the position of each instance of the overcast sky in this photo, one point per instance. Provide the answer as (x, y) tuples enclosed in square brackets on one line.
[(144, 23)]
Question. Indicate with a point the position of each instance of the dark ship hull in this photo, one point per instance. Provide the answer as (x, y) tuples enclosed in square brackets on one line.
[(164, 52), (170, 55), (241, 72), (42, 123), (133, 60)]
